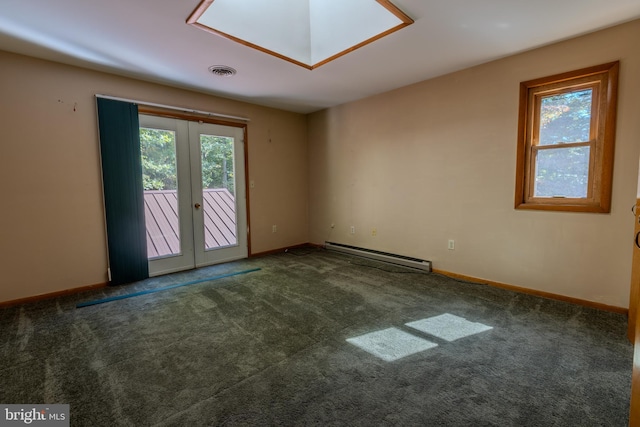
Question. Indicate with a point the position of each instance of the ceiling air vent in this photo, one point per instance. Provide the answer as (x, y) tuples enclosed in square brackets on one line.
[(222, 70)]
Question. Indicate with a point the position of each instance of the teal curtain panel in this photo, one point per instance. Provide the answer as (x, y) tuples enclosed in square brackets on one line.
[(123, 191)]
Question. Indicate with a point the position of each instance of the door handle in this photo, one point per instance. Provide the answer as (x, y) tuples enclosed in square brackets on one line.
[(637, 242), (197, 206)]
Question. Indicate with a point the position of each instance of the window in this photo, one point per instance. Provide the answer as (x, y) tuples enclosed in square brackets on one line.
[(566, 133)]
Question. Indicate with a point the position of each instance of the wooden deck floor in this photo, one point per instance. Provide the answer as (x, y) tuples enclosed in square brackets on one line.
[(163, 230)]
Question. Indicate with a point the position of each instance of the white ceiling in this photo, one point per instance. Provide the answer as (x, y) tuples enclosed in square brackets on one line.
[(149, 39)]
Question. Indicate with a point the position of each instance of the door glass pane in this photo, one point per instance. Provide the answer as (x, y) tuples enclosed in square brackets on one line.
[(562, 172), (159, 178), (218, 191), (565, 117)]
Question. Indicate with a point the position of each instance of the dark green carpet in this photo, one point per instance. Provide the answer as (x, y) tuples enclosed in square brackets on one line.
[(268, 348)]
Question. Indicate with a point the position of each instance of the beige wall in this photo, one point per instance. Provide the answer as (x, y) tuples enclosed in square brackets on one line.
[(52, 233), (436, 161), (422, 164)]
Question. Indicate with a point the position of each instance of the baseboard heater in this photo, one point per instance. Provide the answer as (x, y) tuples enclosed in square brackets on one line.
[(380, 256)]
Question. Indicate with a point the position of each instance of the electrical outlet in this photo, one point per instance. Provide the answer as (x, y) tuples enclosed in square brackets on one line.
[(274, 228), (452, 245), (353, 229), (374, 232)]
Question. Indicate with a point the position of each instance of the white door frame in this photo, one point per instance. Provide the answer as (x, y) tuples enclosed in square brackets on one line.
[(188, 158)]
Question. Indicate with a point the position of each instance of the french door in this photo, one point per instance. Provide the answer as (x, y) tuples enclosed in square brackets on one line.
[(195, 205)]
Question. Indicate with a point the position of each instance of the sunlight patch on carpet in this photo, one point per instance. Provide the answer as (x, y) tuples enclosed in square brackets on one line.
[(391, 344), (448, 327)]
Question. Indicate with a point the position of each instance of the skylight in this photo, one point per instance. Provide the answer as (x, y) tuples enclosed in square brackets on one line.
[(307, 33)]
